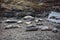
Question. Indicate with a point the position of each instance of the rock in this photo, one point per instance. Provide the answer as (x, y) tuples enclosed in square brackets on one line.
[(30, 25), (57, 26), (28, 22), (10, 21), (19, 22), (55, 30), (12, 26), (45, 28), (28, 17), (53, 17), (31, 28), (39, 24), (38, 20)]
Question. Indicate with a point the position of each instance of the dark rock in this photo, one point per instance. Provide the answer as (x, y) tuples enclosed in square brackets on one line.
[(55, 30), (32, 29), (57, 26), (11, 22)]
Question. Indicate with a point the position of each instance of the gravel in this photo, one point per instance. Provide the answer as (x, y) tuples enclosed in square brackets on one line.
[(21, 34)]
